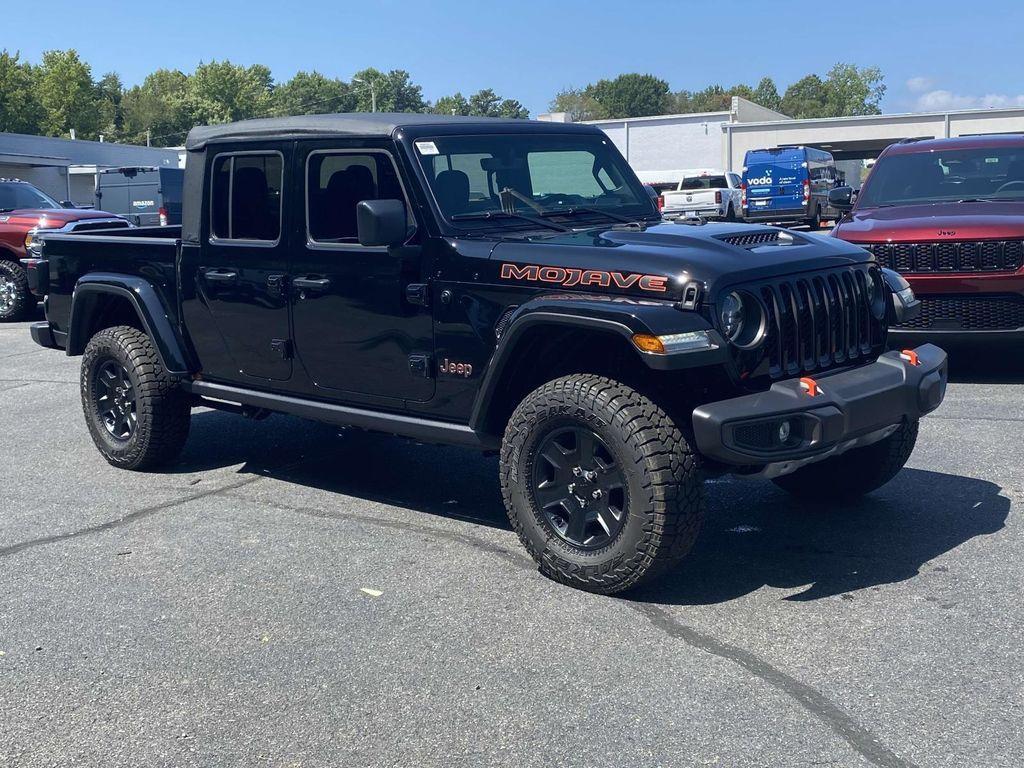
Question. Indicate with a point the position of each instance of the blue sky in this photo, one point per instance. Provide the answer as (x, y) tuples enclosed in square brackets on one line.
[(937, 54)]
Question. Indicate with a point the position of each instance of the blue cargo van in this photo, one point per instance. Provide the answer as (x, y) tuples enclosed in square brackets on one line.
[(787, 185)]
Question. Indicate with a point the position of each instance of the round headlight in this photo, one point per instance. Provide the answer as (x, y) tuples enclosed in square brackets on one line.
[(876, 288), (742, 319), (732, 316)]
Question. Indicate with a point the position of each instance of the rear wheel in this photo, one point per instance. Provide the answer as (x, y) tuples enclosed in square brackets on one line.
[(136, 414), (599, 483), (815, 222), (854, 473), (730, 214), (16, 303)]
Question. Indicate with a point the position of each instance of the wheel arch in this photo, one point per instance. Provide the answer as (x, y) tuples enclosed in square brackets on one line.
[(103, 301), (568, 335)]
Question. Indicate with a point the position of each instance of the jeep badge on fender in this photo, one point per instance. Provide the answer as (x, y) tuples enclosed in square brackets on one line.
[(618, 360)]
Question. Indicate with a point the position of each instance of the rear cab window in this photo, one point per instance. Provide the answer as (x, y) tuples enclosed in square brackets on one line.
[(245, 197)]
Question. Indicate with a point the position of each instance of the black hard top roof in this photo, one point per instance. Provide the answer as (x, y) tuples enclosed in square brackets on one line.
[(363, 124)]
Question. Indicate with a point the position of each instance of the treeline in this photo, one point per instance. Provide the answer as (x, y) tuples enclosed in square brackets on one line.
[(60, 95), (844, 90)]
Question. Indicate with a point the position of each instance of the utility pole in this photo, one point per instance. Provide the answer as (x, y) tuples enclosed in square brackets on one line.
[(372, 85), (149, 135)]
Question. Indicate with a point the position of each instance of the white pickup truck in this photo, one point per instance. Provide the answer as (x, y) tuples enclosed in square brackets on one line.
[(704, 192)]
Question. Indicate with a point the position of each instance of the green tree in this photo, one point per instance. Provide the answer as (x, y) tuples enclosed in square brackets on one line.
[(20, 110), (854, 90), (484, 103), (67, 94), (395, 91), (310, 93), (109, 95), (807, 97), (157, 108), (578, 104), (766, 94), (222, 92), (511, 108), (456, 104), (630, 95)]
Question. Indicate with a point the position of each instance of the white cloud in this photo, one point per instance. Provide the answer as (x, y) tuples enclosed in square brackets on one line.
[(919, 84), (941, 99)]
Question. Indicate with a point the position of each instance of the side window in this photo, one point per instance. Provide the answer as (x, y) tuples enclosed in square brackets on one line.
[(734, 181), (336, 182), (246, 197)]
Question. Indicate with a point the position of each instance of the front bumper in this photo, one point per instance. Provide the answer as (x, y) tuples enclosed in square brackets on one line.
[(42, 334), (851, 408)]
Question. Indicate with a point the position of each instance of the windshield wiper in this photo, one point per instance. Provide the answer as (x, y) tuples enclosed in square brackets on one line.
[(575, 209), (485, 215)]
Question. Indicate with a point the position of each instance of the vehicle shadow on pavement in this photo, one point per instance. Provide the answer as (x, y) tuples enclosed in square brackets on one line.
[(756, 535), (450, 482), (985, 366)]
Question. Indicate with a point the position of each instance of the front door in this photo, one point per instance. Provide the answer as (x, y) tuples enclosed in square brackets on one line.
[(239, 314), (356, 333)]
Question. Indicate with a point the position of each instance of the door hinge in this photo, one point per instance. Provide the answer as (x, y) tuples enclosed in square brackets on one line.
[(283, 347), (418, 294), (420, 365)]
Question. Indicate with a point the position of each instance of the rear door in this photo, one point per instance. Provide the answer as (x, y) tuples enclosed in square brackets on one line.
[(357, 335), (235, 306), (775, 181)]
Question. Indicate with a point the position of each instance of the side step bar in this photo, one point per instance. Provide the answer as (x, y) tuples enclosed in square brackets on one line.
[(425, 430)]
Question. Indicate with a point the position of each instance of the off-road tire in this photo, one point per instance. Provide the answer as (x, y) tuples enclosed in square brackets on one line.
[(661, 475), (851, 475), (23, 301), (163, 410)]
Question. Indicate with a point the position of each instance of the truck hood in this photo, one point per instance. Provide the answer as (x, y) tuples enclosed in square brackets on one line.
[(680, 253), (937, 221), (54, 218)]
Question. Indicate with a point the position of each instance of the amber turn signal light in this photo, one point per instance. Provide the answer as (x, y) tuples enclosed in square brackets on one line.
[(648, 343)]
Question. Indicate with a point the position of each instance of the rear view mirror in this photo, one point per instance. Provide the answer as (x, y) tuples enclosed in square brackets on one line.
[(381, 222), (841, 198), (67, 204)]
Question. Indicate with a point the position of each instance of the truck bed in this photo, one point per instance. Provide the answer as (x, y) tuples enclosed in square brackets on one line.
[(149, 252)]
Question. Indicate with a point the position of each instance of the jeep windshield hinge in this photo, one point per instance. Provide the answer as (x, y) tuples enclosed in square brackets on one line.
[(283, 347)]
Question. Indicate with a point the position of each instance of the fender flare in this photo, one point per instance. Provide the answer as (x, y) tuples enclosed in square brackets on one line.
[(144, 298), (623, 317)]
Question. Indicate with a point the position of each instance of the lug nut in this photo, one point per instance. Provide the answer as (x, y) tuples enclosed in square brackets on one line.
[(597, 494)]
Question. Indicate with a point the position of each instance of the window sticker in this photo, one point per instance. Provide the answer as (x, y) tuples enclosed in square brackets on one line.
[(427, 148)]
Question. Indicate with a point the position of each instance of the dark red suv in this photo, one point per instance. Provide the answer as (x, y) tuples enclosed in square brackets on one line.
[(948, 214)]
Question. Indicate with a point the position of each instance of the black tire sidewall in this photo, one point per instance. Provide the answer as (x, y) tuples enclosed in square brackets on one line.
[(105, 347), (25, 303)]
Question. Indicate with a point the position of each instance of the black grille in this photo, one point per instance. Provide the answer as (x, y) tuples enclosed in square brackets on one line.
[(974, 256), (746, 241), (86, 225), (822, 320), (973, 313)]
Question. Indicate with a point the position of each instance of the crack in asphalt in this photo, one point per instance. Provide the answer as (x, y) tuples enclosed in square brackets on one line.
[(35, 381), (139, 514), (859, 738)]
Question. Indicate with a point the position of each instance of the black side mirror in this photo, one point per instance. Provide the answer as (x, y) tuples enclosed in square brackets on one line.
[(841, 198), (381, 222), (67, 204)]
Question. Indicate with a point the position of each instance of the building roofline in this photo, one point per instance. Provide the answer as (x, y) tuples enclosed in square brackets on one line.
[(996, 111)]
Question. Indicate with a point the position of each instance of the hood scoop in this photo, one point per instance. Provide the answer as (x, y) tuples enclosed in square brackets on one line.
[(756, 239)]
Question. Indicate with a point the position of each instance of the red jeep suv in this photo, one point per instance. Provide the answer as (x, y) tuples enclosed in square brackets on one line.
[(24, 212), (948, 214)]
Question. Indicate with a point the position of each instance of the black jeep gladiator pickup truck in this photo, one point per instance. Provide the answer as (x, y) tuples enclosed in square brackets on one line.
[(503, 285)]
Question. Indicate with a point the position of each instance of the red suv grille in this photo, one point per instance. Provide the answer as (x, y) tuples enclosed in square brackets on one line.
[(927, 258), (1000, 312)]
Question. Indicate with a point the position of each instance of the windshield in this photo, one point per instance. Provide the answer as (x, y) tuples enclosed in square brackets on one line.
[(704, 182), (17, 194), (474, 177), (944, 175)]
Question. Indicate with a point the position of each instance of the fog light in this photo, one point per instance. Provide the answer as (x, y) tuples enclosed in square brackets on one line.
[(784, 431)]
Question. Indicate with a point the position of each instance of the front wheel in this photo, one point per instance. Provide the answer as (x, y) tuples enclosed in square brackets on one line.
[(136, 414), (851, 475), (16, 303), (600, 484)]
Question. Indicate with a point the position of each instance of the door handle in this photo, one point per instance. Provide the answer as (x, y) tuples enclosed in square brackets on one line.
[(311, 283), (220, 275)]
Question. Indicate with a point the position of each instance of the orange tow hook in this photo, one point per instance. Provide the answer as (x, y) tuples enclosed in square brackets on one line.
[(910, 356), (810, 386)]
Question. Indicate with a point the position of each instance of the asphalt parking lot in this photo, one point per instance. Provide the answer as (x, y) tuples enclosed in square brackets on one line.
[(289, 595)]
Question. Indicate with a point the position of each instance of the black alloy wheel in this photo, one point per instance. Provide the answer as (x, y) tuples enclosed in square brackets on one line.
[(116, 400), (579, 487)]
